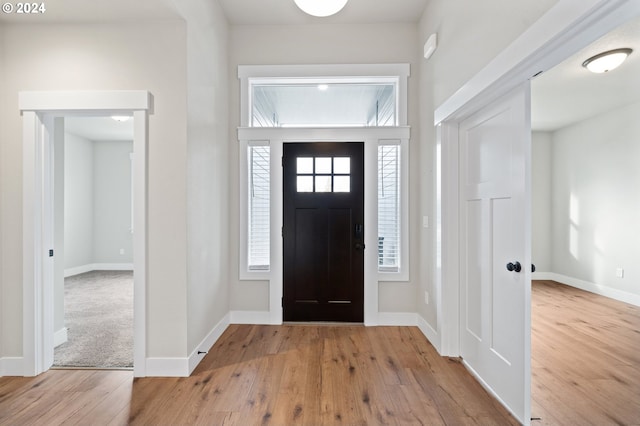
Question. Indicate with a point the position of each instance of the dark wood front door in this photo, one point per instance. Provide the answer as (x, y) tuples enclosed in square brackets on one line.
[(324, 231)]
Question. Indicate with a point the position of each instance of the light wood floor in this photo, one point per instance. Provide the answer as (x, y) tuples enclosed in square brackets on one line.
[(586, 371), (585, 359)]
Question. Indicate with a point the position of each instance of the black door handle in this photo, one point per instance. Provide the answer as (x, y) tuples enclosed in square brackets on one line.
[(533, 267), (514, 267), (359, 246)]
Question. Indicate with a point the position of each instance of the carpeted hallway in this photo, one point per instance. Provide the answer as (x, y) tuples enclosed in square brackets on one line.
[(99, 318)]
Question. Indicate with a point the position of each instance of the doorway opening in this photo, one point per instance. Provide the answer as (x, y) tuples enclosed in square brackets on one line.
[(584, 209), (93, 235)]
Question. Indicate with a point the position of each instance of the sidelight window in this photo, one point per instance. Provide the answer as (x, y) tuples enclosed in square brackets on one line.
[(389, 208), (258, 203)]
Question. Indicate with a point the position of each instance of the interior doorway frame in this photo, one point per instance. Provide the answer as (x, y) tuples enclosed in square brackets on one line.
[(565, 29), (39, 109)]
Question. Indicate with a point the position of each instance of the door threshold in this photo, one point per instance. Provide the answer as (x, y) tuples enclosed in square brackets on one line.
[(64, 367)]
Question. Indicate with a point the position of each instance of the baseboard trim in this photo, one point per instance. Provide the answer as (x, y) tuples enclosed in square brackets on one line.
[(167, 367), (430, 333), (59, 337), (401, 319), (69, 272), (250, 317), (183, 367), (602, 290), (12, 366), (208, 342)]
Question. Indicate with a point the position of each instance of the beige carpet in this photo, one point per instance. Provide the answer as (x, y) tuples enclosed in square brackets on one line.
[(99, 318)]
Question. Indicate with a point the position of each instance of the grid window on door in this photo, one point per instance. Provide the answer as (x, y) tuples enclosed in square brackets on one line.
[(323, 174)]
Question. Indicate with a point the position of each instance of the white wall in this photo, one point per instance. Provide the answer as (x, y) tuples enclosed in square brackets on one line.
[(112, 202), (541, 200), (2, 96), (208, 172), (321, 44), (470, 35), (78, 201), (596, 201), (97, 196), (136, 56), (58, 226)]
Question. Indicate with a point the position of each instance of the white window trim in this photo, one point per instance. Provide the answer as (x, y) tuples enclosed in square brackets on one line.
[(371, 136)]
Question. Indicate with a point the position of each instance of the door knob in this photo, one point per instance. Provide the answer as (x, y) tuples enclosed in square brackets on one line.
[(514, 267), (359, 246), (533, 267)]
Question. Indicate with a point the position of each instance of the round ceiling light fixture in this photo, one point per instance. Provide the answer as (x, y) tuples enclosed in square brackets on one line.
[(607, 61), (321, 8)]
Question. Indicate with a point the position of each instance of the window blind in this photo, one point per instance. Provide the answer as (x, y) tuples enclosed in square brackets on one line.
[(389, 208), (259, 193)]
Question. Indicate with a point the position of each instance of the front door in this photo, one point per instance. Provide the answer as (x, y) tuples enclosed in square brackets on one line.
[(495, 296), (323, 231)]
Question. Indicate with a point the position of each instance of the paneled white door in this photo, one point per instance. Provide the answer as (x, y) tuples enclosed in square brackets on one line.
[(495, 233)]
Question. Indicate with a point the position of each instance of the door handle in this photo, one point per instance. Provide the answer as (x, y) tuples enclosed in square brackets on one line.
[(359, 246), (533, 268), (514, 267)]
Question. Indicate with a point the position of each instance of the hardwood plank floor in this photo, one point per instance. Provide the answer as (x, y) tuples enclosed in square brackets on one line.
[(585, 362), (271, 375), (585, 356)]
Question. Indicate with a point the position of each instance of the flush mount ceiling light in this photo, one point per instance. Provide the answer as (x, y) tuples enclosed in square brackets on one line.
[(321, 8), (606, 61)]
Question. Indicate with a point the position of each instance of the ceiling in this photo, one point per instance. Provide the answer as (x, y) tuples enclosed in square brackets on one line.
[(92, 11), (99, 128), (285, 12), (569, 93)]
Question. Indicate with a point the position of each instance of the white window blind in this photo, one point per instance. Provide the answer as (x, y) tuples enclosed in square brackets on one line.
[(389, 208), (259, 191)]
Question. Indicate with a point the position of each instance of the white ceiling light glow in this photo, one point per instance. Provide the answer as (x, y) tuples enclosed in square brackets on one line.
[(321, 8), (606, 61)]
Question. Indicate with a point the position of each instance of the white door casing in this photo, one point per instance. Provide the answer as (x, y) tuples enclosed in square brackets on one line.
[(495, 230), (38, 110)]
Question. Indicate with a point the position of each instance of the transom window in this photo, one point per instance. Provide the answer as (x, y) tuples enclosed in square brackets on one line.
[(328, 102), (323, 174)]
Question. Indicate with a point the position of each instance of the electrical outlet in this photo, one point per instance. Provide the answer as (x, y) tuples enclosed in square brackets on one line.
[(425, 221), (426, 297), (619, 273), (121, 251)]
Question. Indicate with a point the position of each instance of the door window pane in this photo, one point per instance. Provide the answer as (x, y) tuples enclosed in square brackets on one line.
[(341, 184), (305, 165), (323, 165), (305, 184), (342, 165), (323, 183)]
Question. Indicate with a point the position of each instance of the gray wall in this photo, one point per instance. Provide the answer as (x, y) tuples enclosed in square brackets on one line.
[(322, 44), (470, 35), (97, 202), (124, 56), (78, 201), (595, 201), (541, 200), (112, 202)]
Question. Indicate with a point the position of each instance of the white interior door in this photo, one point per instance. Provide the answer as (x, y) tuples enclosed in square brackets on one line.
[(495, 231)]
